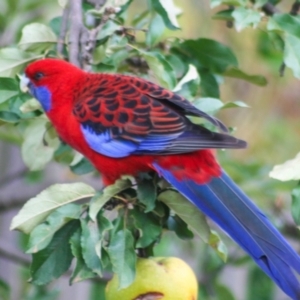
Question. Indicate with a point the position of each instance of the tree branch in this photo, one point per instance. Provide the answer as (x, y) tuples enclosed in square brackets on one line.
[(76, 30), (18, 258), (82, 41), (12, 204)]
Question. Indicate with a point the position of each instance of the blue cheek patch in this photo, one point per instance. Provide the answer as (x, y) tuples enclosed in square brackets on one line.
[(43, 95)]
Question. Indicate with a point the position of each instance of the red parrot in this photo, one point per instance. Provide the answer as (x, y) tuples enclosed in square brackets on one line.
[(128, 125)]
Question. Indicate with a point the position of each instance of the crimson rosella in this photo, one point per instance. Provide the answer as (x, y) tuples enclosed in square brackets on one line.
[(128, 125)]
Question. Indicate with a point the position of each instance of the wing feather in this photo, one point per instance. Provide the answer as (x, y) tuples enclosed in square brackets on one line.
[(122, 115)]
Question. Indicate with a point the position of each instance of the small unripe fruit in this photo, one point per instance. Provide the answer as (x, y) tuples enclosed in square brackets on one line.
[(157, 278)]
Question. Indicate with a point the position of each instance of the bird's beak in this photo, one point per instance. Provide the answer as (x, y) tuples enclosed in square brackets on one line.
[(24, 82)]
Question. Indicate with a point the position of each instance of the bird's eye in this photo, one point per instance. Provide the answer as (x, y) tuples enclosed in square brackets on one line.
[(38, 75)]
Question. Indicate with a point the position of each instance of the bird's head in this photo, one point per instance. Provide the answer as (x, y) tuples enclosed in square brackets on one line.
[(45, 76)]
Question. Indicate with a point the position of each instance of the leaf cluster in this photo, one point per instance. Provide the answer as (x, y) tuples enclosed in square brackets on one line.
[(123, 221), (282, 28)]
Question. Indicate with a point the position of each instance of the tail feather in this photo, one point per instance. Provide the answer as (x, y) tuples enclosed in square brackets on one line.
[(223, 201)]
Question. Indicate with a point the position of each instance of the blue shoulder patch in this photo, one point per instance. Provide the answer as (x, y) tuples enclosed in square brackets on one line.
[(43, 95), (103, 143)]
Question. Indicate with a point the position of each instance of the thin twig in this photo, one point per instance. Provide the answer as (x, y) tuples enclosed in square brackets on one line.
[(89, 47), (282, 69), (14, 257), (90, 42)]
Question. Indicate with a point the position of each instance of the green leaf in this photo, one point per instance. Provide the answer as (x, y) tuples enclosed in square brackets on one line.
[(8, 116), (64, 154), (14, 105), (286, 22), (180, 227), (290, 26), (53, 261), (34, 151), (97, 290), (13, 60), (161, 69), (179, 66), (259, 286), (9, 134), (91, 246), (141, 19), (291, 53), (104, 225), (187, 212), (155, 30), (123, 258), (260, 3), (212, 105), (4, 290), (245, 17), (55, 25), (237, 73), (146, 193), (216, 243), (214, 3), (124, 6), (168, 11), (289, 170), (148, 226), (189, 83), (37, 37), (210, 54), (296, 205), (82, 167), (81, 270), (37, 209), (41, 235), (108, 29), (209, 105), (224, 293), (209, 85), (235, 104), (41, 293), (102, 197), (30, 105), (190, 75), (117, 4), (8, 88), (225, 15)]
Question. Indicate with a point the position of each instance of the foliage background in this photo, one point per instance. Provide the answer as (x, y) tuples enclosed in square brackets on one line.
[(270, 126)]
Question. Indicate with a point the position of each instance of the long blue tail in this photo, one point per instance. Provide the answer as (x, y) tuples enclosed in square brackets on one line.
[(224, 202)]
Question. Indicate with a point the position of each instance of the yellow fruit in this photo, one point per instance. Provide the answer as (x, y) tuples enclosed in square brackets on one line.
[(157, 278)]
